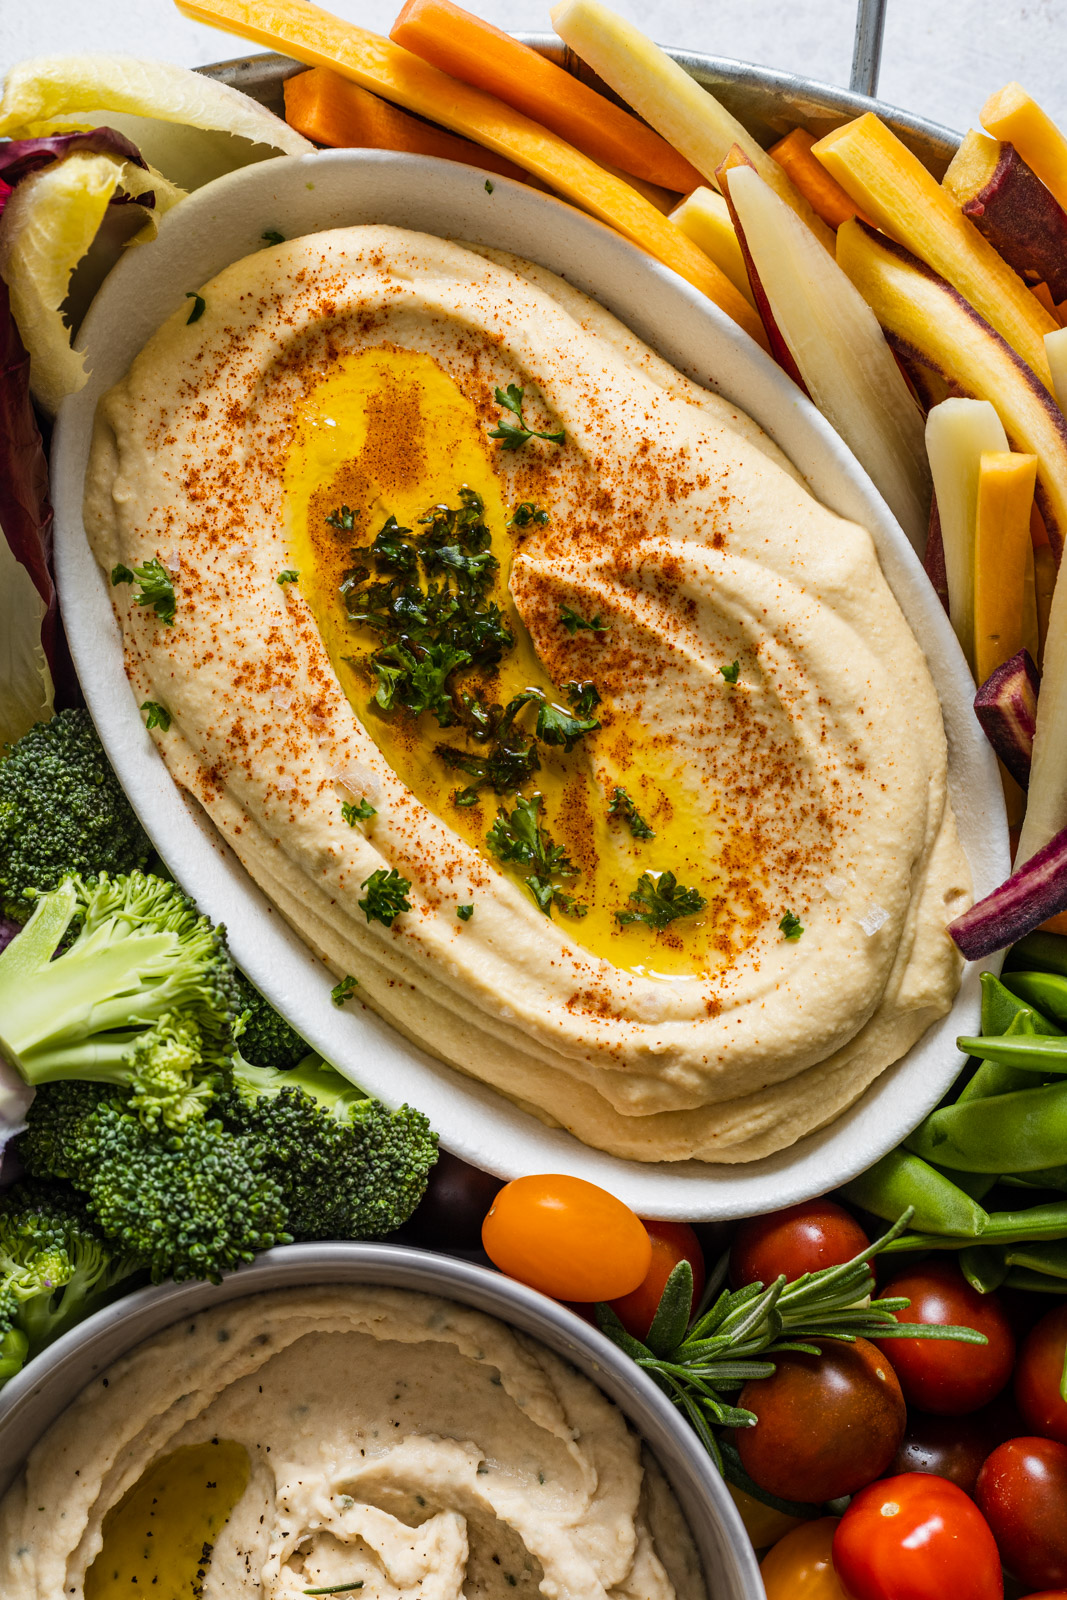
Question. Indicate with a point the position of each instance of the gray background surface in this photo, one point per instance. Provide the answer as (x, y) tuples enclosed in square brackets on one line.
[(941, 59)]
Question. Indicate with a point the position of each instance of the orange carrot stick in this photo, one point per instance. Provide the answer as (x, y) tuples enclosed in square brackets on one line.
[(309, 34), (332, 111), (823, 193), (477, 53)]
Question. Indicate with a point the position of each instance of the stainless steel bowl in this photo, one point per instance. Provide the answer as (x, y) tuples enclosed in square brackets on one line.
[(33, 1400), (769, 102)]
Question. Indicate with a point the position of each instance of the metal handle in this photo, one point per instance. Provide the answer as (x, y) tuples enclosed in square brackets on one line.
[(867, 50)]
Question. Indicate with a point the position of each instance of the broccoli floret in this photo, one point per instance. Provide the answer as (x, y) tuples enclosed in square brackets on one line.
[(189, 1205), (55, 1267), (143, 994), (62, 811), (266, 1036), (352, 1169)]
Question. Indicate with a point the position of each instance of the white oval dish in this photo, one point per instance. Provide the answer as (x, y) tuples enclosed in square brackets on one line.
[(295, 195)]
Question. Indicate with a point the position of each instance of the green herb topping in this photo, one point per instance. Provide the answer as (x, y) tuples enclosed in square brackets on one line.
[(520, 839), (513, 436), (664, 899), (791, 926), (344, 990), (574, 622), (199, 306), (272, 236), (526, 513), (386, 896), (157, 590), (290, 575), (158, 716), (354, 812), (623, 806), (584, 697), (732, 672), (464, 913), (488, 187), (343, 519)]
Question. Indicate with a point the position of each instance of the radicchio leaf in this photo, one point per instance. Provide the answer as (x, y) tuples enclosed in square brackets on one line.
[(20, 157)]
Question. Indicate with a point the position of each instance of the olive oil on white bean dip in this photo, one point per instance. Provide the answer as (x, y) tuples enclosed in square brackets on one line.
[(361, 1441)]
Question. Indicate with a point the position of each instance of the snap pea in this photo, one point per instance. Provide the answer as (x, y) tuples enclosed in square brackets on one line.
[(1043, 1178), (1045, 990), (1024, 1052), (1035, 1282), (1048, 951), (1049, 1259), (902, 1179), (1018, 1132), (1001, 1011), (984, 1266)]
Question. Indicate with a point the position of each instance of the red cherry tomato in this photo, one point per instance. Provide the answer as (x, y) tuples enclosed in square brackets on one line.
[(948, 1447), (671, 1242), (795, 1240), (568, 1238), (1039, 1376), (1022, 1492), (827, 1424), (941, 1375), (800, 1567), (916, 1537)]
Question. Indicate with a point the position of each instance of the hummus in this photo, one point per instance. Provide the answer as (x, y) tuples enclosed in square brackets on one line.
[(313, 1438), (697, 919)]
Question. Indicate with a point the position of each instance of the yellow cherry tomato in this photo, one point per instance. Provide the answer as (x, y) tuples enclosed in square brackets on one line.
[(763, 1524), (568, 1238), (800, 1565)]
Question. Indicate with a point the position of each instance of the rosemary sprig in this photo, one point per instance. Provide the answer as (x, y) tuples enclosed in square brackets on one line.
[(734, 1334)]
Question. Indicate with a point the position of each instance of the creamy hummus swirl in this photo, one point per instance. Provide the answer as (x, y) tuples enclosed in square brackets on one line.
[(815, 784), (395, 1441)]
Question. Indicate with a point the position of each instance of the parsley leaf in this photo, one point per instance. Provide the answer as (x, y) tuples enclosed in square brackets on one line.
[(513, 436), (732, 672), (464, 913), (526, 513), (520, 839), (158, 716), (557, 726), (386, 896), (199, 306), (343, 519), (157, 590), (665, 900), (584, 697), (272, 236), (622, 805), (488, 187), (791, 927), (344, 990), (290, 575), (574, 622), (353, 812)]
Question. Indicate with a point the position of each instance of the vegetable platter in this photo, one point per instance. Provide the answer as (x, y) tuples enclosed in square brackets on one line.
[(881, 1375)]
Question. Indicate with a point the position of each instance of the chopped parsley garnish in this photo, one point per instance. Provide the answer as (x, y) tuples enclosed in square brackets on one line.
[(290, 575), (732, 672), (199, 306), (584, 697), (344, 990), (574, 622), (272, 236), (622, 805), (464, 913), (791, 926), (386, 896), (526, 513), (353, 813), (519, 839), (664, 899), (157, 590), (488, 187), (514, 435), (343, 519), (158, 716), (510, 756)]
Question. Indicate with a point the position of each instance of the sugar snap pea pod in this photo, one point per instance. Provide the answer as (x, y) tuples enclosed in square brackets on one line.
[(1046, 951), (1024, 1052), (1002, 1003), (1032, 1222), (900, 1180), (984, 1266), (1045, 991), (1018, 1132), (1043, 1178), (1050, 1259), (1003, 1013), (1034, 1282)]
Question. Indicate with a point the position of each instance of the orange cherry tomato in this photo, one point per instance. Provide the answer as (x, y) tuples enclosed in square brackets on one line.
[(800, 1567), (671, 1242), (568, 1238)]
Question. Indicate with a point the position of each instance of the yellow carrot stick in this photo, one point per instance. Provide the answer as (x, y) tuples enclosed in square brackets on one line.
[(1002, 552), (1012, 116), (320, 39), (894, 188)]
